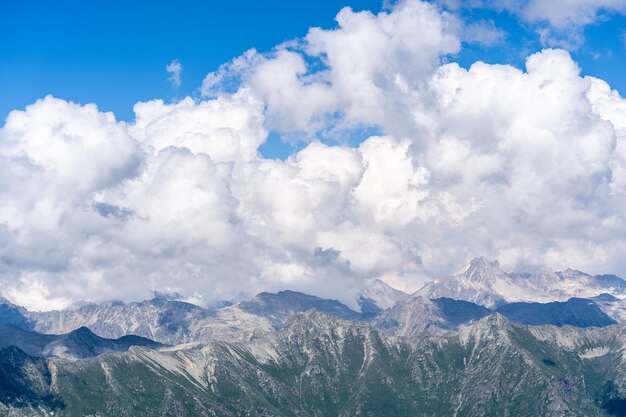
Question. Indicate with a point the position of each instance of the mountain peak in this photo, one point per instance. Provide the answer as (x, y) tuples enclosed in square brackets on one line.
[(481, 269), (481, 262), (83, 333), (493, 322), (605, 297), (377, 295), (277, 307), (479, 283), (82, 330)]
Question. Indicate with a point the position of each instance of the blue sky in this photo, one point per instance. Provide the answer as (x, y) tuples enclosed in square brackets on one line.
[(114, 53), (602, 53)]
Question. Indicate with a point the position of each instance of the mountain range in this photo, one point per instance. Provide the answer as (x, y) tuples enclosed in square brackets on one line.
[(481, 342), (418, 315), (485, 283), (175, 322), (320, 365)]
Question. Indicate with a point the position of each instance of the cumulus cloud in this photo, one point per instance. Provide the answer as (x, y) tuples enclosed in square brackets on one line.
[(175, 70), (361, 73), (527, 166)]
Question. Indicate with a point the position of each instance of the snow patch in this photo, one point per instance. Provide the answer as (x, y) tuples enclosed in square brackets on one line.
[(594, 353)]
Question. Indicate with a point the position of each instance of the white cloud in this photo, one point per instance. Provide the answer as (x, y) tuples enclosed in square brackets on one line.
[(483, 32), (525, 166), (227, 129), (367, 69), (558, 22), (558, 13), (175, 69), (564, 13)]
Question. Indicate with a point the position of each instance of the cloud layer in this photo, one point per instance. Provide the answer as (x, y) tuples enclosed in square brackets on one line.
[(525, 166)]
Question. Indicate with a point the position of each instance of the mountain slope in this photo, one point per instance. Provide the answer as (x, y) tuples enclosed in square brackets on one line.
[(317, 365), (613, 307), (13, 314), (418, 315), (577, 312), (25, 384)]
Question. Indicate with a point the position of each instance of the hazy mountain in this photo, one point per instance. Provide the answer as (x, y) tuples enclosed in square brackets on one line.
[(164, 320), (169, 321), (280, 306), (13, 314), (612, 306), (175, 322), (578, 312), (376, 295), (318, 365), (418, 315), (484, 283), (80, 343)]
